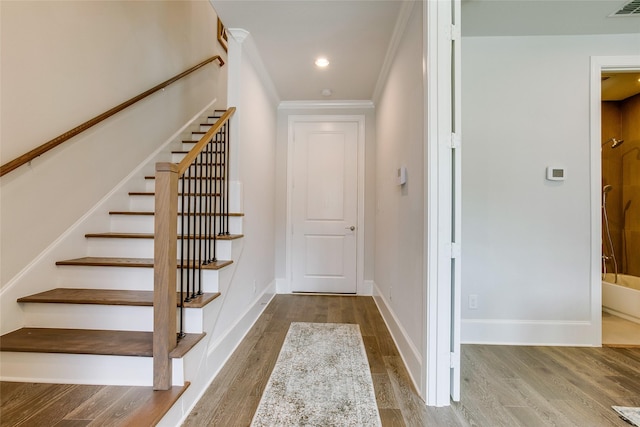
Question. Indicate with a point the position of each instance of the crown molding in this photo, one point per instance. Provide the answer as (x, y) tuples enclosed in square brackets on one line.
[(398, 32), (320, 105), (249, 48)]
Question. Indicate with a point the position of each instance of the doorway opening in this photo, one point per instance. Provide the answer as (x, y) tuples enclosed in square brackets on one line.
[(620, 175)]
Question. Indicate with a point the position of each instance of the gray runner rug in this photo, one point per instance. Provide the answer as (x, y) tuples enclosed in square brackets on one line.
[(629, 414), (321, 378)]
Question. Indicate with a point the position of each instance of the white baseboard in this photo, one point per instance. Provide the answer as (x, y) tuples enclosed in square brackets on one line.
[(528, 332), (217, 355), (408, 351)]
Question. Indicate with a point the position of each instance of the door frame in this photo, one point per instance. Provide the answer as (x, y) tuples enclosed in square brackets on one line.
[(359, 119), (598, 65)]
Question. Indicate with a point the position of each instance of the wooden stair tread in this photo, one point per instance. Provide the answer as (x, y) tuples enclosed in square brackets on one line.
[(153, 213), (108, 297), (218, 178), (40, 404), (187, 151), (151, 193), (88, 341), (188, 141), (132, 262), (114, 235)]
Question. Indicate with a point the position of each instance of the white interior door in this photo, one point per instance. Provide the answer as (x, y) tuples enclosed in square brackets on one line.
[(324, 207)]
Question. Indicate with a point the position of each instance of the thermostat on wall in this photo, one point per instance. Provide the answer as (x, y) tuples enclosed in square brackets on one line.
[(556, 173)]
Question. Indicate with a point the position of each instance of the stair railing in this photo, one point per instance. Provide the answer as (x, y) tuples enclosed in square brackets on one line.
[(195, 191), (49, 145)]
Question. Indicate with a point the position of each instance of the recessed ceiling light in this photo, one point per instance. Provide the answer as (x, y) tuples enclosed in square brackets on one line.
[(322, 62)]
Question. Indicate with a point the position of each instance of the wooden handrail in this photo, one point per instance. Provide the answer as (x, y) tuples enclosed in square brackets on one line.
[(26, 158), (193, 153)]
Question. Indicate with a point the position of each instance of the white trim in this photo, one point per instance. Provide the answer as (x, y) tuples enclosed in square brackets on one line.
[(528, 332), (398, 32), (360, 120), (248, 47), (408, 351), (598, 65), (437, 78), (102, 201), (219, 353), (319, 105), (456, 297)]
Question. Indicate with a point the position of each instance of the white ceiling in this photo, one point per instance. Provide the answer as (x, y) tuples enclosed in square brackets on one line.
[(355, 34), (290, 35)]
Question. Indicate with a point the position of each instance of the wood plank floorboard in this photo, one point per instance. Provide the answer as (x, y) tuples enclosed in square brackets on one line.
[(73, 405), (501, 385)]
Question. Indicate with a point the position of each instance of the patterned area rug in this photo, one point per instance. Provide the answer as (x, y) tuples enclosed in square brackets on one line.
[(629, 414), (321, 378)]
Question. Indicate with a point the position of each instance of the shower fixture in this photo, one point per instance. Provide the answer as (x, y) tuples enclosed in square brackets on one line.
[(605, 190), (614, 142), (611, 256), (625, 256)]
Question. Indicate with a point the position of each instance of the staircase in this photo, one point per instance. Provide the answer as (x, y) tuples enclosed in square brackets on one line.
[(94, 326)]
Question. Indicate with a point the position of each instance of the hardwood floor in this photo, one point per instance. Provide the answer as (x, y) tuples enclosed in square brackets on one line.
[(501, 385), (233, 397)]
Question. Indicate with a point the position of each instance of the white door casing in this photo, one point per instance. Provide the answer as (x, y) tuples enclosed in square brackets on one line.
[(325, 198), (441, 357), (600, 64)]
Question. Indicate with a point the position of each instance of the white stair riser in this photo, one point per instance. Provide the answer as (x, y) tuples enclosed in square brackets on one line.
[(144, 224), (108, 317), (143, 248), (147, 203), (83, 369), (205, 128), (130, 278), (150, 186)]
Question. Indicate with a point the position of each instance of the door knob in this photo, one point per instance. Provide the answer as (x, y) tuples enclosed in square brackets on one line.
[(352, 228)]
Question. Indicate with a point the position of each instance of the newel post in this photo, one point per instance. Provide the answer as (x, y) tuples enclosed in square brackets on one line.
[(164, 273)]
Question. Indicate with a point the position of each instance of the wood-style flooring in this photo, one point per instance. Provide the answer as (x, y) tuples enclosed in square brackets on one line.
[(501, 385)]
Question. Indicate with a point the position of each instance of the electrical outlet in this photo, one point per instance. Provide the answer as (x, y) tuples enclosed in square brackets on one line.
[(473, 302)]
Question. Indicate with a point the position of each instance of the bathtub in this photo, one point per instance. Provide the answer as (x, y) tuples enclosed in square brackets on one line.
[(622, 299)]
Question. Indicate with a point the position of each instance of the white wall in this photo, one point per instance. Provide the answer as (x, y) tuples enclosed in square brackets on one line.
[(527, 240), (66, 62), (399, 252), (251, 92), (316, 108), (253, 141)]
